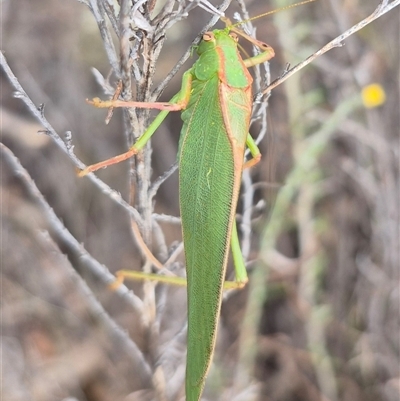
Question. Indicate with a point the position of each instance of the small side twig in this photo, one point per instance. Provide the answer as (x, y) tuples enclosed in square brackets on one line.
[(160, 180), (166, 218)]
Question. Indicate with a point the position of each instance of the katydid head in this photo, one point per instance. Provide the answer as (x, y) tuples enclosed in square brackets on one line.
[(218, 37)]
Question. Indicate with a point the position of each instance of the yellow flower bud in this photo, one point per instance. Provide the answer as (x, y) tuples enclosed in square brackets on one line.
[(373, 95)]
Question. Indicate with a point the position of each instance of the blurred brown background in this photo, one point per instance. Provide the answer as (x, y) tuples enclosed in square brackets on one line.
[(330, 314)]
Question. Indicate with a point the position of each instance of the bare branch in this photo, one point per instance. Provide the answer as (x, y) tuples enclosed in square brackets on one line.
[(98, 12), (156, 93), (68, 150), (97, 270), (94, 306), (383, 7)]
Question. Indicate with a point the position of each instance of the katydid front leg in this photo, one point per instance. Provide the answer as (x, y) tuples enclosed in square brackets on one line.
[(178, 102), (254, 151), (267, 54)]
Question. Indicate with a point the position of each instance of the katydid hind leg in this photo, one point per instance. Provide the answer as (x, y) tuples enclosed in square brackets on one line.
[(238, 261), (123, 275), (241, 277)]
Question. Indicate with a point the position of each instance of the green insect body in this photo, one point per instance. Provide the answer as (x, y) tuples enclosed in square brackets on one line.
[(211, 161), (216, 99)]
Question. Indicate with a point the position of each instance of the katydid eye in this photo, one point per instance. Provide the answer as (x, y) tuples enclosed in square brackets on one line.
[(264, 46), (234, 36), (208, 36)]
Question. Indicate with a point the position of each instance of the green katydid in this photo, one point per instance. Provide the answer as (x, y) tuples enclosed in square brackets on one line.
[(216, 99)]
